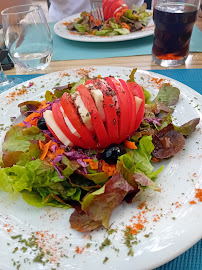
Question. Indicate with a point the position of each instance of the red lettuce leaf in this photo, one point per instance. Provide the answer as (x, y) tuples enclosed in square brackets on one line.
[(167, 142), (187, 128), (81, 222), (100, 204)]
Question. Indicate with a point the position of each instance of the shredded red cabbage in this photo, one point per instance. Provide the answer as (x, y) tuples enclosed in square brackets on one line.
[(155, 121), (53, 148), (58, 159), (30, 84), (27, 124), (75, 155), (60, 88)]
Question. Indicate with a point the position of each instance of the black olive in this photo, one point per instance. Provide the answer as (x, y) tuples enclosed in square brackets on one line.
[(99, 27), (41, 124), (112, 152)]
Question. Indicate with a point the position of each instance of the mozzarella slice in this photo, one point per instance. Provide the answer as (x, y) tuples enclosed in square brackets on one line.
[(138, 103), (98, 98), (50, 121), (69, 124), (84, 113)]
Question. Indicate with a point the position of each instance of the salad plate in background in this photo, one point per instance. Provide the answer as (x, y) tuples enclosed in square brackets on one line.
[(60, 29), (164, 214)]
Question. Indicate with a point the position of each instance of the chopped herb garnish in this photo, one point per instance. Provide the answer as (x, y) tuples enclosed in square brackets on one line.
[(105, 259), (111, 231), (15, 249), (106, 242)]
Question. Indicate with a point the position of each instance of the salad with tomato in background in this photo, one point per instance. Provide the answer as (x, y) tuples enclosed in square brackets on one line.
[(119, 20), (91, 145)]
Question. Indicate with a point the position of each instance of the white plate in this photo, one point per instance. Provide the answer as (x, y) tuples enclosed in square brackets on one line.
[(61, 30), (173, 224)]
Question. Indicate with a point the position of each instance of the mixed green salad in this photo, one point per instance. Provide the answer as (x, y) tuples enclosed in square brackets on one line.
[(46, 172), (131, 20)]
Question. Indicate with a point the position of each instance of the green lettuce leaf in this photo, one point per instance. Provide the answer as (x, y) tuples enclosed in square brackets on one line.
[(35, 199), (147, 96), (122, 31), (18, 138), (82, 81), (49, 96), (82, 28), (142, 157), (34, 174), (167, 95), (129, 14)]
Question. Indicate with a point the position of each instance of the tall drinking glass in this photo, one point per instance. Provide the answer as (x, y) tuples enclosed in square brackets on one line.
[(27, 36), (174, 21)]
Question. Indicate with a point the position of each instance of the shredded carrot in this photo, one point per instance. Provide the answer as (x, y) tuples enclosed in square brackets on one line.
[(66, 23), (97, 22), (21, 124), (87, 160), (125, 25), (59, 151), (93, 165), (41, 145), (130, 145), (109, 169), (51, 155), (45, 150), (120, 13), (155, 159), (33, 115)]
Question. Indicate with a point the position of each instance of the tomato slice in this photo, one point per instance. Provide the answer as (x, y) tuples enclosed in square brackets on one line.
[(109, 109), (111, 7), (59, 119), (70, 110), (101, 133), (131, 107), (137, 90), (123, 107)]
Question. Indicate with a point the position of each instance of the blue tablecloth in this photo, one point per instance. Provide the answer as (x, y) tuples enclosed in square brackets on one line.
[(191, 259)]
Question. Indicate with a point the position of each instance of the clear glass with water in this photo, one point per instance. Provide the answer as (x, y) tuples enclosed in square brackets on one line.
[(27, 36)]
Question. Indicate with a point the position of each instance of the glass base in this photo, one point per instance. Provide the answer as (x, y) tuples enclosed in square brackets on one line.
[(7, 84), (169, 63)]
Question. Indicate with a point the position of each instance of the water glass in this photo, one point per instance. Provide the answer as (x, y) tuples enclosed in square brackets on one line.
[(174, 21), (27, 36)]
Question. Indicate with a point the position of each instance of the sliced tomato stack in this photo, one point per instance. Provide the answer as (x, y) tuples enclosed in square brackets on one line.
[(109, 106), (112, 7), (99, 113)]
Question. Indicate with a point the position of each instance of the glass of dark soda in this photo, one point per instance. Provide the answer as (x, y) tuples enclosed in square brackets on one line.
[(174, 21)]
